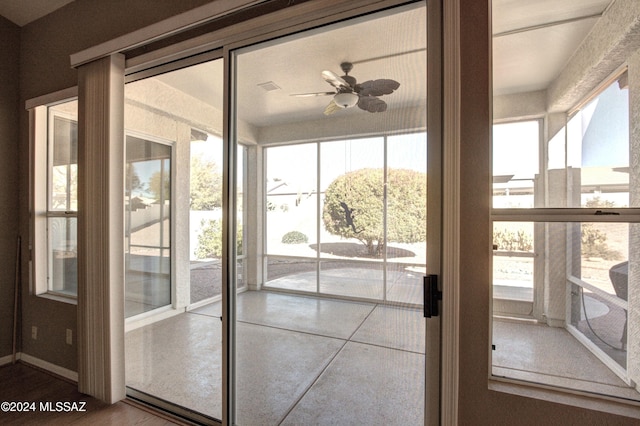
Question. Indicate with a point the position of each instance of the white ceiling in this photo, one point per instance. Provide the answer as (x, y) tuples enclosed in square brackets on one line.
[(295, 64), (533, 41)]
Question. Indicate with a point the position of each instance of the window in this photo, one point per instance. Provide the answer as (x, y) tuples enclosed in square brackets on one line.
[(565, 234), (516, 174), (351, 208), (515, 163), (55, 198)]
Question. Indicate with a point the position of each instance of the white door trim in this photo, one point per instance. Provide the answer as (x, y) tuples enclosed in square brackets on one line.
[(451, 212)]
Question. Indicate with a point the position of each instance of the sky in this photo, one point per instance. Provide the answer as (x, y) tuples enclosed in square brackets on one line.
[(515, 149), (605, 129), (597, 136)]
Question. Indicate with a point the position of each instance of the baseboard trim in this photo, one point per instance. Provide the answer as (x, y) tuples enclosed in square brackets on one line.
[(8, 359), (47, 366)]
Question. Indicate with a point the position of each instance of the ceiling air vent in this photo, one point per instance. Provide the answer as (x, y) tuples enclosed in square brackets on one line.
[(269, 86)]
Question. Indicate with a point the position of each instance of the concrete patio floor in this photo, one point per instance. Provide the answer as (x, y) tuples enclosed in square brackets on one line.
[(300, 360), (303, 359), (552, 356)]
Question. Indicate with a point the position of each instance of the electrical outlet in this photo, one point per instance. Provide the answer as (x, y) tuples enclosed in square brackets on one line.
[(34, 332), (69, 337)]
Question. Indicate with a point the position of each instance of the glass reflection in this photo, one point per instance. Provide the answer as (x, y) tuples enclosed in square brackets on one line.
[(148, 225)]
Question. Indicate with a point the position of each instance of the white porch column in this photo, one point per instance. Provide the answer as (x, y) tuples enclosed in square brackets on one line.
[(560, 251), (101, 229), (181, 206), (253, 229)]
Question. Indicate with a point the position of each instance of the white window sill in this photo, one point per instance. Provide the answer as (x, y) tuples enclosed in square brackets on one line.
[(566, 396), (508, 292), (72, 300)]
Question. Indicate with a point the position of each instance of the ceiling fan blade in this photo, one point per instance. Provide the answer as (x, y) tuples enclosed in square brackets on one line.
[(372, 104), (331, 108), (384, 86), (335, 80), (309, 95)]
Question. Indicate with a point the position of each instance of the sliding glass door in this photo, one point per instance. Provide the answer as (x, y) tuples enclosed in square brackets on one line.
[(330, 328), (276, 226), (173, 211)]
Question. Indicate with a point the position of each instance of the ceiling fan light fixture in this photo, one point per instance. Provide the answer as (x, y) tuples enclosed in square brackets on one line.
[(345, 100)]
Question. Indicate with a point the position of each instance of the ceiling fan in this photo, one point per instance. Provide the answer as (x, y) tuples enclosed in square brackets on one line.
[(350, 93)]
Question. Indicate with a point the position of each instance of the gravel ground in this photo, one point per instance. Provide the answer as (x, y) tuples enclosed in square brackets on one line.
[(206, 277)]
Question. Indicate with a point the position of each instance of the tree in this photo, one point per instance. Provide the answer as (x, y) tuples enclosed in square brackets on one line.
[(354, 207), (132, 179), (206, 185), (160, 185), (596, 201)]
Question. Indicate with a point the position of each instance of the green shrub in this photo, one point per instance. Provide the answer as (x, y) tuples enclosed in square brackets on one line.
[(206, 185), (354, 207), (294, 237), (513, 241), (594, 244), (210, 239)]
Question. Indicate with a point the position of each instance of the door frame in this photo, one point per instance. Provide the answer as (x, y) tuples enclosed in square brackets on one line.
[(433, 365), (450, 102)]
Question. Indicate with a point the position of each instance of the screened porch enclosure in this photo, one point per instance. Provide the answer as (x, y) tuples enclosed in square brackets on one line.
[(349, 218)]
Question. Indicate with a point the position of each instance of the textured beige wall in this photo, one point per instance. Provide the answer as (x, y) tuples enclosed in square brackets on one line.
[(520, 106), (9, 46), (613, 39)]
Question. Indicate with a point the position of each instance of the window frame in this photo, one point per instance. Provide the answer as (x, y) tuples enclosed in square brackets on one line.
[(567, 215), (519, 308), (39, 192)]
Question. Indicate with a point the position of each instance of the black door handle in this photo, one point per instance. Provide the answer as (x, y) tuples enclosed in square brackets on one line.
[(431, 296)]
